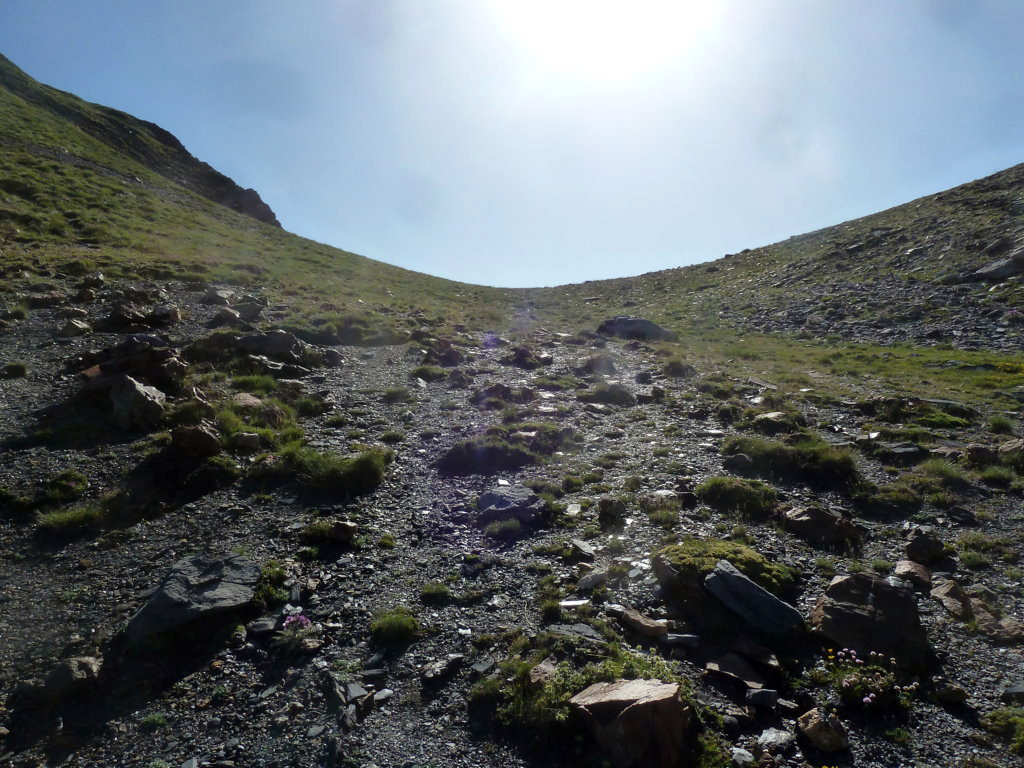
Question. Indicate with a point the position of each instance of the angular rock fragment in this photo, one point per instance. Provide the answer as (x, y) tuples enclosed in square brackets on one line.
[(637, 722), (867, 614), (198, 587), (753, 603)]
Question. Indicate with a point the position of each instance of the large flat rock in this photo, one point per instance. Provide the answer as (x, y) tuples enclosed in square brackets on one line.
[(198, 587)]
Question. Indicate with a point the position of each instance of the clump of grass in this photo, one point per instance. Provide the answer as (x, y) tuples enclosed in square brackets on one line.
[(270, 586), (888, 500), (1007, 722), (395, 628), (397, 395), (435, 593), (608, 394), (259, 384), (386, 541), (676, 368), (64, 523), (334, 473), (429, 373), (311, 406), (392, 437), (747, 498), (694, 558), (938, 474), (804, 456), (504, 530), (1000, 425), (976, 549), (152, 723), (506, 446), (998, 477), (15, 370)]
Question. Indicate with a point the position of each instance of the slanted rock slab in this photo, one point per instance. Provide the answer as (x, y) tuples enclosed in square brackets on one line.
[(632, 327), (198, 587), (507, 502), (823, 730), (755, 604)]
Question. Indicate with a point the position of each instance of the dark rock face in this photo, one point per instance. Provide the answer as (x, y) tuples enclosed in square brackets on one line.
[(821, 526), (632, 327), (197, 588), (867, 614), (506, 503), (756, 605)]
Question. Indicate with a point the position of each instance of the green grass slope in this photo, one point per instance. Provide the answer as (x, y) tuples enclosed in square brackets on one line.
[(85, 183)]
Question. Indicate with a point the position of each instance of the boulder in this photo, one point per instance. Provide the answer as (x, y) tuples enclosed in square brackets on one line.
[(915, 573), (164, 315), (72, 676), (999, 270), (200, 441), (953, 598), (135, 404), (642, 625), (867, 613), (217, 297), (820, 526), (75, 327), (753, 603), (508, 502), (278, 345), (823, 730), (632, 327), (923, 545), (198, 588), (637, 722)]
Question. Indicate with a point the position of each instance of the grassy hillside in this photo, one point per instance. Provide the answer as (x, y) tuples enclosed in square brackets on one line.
[(84, 183)]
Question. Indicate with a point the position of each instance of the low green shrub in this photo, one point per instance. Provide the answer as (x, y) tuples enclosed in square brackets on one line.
[(70, 522), (694, 558), (803, 455), (395, 628), (1007, 722), (429, 373), (747, 498)]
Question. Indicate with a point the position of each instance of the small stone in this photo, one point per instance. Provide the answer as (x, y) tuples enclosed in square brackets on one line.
[(75, 327), (823, 730), (774, 741), (383, 697), (765, 698)]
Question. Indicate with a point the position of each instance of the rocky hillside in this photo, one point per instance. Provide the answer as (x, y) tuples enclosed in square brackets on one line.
[(266, 503)]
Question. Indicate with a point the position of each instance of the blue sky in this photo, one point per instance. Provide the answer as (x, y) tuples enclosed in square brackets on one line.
[(539, 142)]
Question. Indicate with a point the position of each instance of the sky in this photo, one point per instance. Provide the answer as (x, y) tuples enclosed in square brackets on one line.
[(539, 142)]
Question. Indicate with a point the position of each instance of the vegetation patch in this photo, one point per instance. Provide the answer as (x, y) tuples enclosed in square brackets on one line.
[(334, 473), (63, 523), (694, 558), (805, 456), (429, 373), (747, 498), (394, 629), (506, 446), (1007, 722)]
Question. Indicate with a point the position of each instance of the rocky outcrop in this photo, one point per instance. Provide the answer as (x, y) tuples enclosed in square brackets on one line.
[(637, 722), (867, 613), (757, 606), (823, 730), (509, 502), (820, 526), (632, 327), (197, 588)]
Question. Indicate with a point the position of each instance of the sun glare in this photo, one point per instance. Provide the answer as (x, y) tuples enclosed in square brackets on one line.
[(605, 41)]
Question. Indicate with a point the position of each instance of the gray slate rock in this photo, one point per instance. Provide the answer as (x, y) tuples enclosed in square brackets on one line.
[(198, 587), (135, 404), (632, 327), (507, 502), (758, 606)]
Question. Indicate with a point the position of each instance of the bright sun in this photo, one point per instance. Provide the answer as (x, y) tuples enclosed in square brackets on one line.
[(604, 41)]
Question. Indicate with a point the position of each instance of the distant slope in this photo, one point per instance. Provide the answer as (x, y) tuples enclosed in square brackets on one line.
[(92, 184), (144, 142), (99, 186)]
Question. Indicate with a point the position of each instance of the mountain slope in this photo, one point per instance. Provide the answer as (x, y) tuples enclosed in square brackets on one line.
[(265, 502)]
